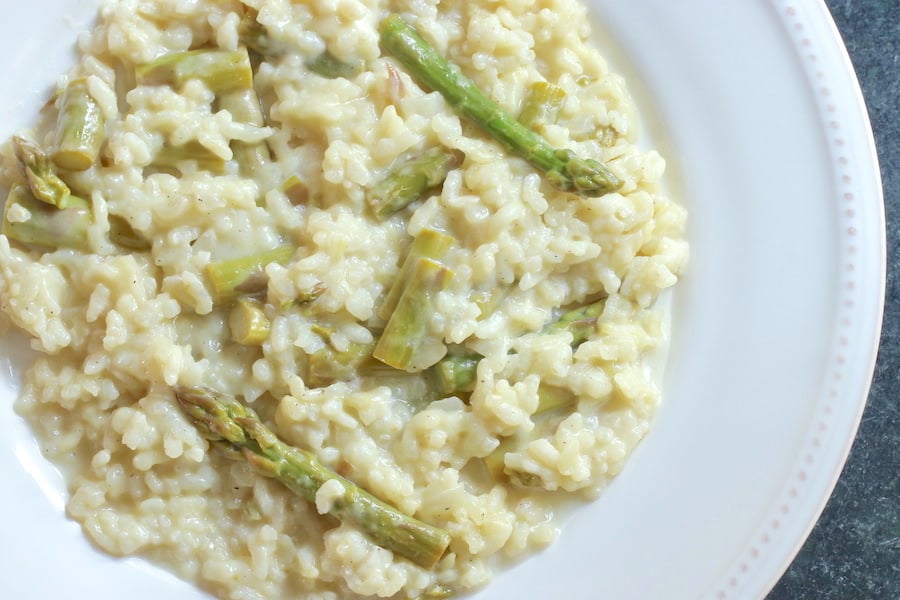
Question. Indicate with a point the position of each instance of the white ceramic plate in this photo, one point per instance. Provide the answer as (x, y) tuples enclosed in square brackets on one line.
[(775, 331)]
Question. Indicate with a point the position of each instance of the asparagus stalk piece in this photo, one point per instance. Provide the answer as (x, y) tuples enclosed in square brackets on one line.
[(37, 225), (42, 179), (407, 342), (244, 106), (221, 70), (248, 322), (328, 65), (430, 243), (581, 322), (174, 157), (407, 182), (254, 36), (223, 419), (79, 128), (122, 233), (438, 592), (243, 275), (329, 365), (541, 105), (457, 372), (562, 168)]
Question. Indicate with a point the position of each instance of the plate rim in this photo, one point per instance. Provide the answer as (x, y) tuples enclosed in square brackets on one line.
[(796, 17)]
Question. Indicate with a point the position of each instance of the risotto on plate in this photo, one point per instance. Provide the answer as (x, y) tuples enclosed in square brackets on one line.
[(340, 298)]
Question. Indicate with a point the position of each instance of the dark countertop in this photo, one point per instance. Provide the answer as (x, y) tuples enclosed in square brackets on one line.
[(854, 550)]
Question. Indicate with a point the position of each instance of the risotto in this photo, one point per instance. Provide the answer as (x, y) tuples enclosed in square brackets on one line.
[(337, 298)]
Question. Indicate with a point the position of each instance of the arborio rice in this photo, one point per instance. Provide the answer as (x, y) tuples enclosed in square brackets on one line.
[(185, 180)]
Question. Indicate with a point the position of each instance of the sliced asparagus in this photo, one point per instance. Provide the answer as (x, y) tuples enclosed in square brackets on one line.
[(329, 365), (43, 181), (221, 70), (541, 105), (80, 128), (456, 372), (122, 233), (408, 181), (174, 157), (244, 106), (328, 65), (243, 275), (224, 420), (248, 322), (562, 168), (430, 243), (254, 36), (407, 342), (46, 227)]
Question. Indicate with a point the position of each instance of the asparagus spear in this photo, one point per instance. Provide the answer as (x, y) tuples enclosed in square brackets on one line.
[(79, 128), (254, 36), (407, 342), (407, 182), (244, 106), (43, 226), (456, 372), (248, 322), (122, 233), (438, 592), (430, 243), (223, 419), (328, 65), (42, 179), (174, 157), (562, 168), (581, 322), (243, 275), (329, 365), (541, 105), (221, 70)]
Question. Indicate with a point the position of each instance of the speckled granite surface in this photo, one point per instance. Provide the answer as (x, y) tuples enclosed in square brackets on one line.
[(854, 550)]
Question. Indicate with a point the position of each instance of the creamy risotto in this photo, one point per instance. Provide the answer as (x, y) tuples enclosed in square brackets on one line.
[(321, 316)]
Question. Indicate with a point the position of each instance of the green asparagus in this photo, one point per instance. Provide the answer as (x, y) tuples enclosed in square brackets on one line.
[(224, 420), (123, 234), (562, 168), (407, 342), (438, 592), (40, 175), (456, 372), (175, 157), (243, 275), (430, 243), (328, 365), (254, 36), (80, 128), (407, 182), (541, 105), (221, 70), (328, 65), (244, 106), (41, 226), (248, 322)]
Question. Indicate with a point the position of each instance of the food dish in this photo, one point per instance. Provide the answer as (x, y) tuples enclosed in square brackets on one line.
[(304, 328), (770, 448)]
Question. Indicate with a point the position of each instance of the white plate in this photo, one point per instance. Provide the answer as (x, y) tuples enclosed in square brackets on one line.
[(776, 326)]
